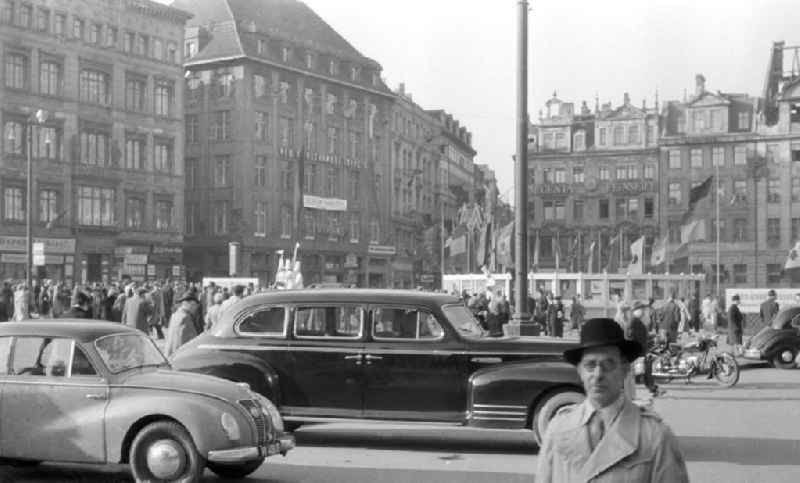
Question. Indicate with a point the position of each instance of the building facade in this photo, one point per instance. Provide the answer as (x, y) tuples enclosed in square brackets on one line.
[(107, 160), (592, 183), (275, 95)]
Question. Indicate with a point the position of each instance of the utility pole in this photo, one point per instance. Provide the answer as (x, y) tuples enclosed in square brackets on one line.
[(520, 314)]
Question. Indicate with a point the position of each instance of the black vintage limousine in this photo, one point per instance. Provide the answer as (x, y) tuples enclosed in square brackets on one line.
[(392, 355)]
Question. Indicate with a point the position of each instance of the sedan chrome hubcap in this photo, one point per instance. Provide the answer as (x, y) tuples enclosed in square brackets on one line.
[(787, 356), (165, 459)]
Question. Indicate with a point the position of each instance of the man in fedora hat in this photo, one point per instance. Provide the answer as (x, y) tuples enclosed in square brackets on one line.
[(181, 325), (769, 308), (735, 325), (607, 438)]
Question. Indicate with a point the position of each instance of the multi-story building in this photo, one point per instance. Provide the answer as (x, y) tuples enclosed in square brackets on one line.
[(755, 161), (107, 160), (271, 89), (592, 178)]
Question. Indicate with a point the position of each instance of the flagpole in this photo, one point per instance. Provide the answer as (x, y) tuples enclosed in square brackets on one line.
[(716, 179)]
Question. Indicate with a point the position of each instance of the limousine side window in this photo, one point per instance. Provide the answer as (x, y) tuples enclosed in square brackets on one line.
[(42, 356), (265, 321), (409, 324), (342, 321), (5, 351)]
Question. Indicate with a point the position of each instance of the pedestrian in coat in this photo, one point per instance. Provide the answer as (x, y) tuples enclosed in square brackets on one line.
[(769, 308), (607, 438), (6, 302), (693, 308), (637, 331), (157, 315), (137, 311), (181, 325), (735, 325), (22, 306), (555, 318), (577, 312), (670, 319), (80, 309)]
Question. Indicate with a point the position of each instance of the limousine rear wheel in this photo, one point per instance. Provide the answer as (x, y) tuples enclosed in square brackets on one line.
[(549, 406), (164, 451)]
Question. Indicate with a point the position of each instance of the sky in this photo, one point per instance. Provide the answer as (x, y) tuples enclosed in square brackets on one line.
[(461, 55)]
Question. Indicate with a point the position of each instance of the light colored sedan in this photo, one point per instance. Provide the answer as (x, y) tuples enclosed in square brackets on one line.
[(97, 392)]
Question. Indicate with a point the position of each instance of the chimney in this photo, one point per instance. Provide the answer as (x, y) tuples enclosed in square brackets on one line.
[(699, 85), (401, 88), (644, 104), (596, 103), (626, 99)]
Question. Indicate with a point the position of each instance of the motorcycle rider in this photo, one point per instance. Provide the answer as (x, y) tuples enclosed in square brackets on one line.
[(637, 331), (735, 325)]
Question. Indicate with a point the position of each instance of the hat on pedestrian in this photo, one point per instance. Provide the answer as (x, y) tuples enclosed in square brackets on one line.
[(600, 332), (81, 298), (735, 298), (771, 293), (639, 305), (188, 296)]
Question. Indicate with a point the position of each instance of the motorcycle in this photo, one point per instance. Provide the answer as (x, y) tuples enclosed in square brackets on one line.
[(700, 356)]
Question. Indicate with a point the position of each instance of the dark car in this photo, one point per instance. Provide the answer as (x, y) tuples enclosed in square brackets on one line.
[(779, 343), (397, 355), (97, 392)]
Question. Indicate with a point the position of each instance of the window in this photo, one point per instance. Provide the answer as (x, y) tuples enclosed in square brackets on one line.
[(333, 138), (286, 54), (14, 204), (16, 71), (744, 120), (7, 12), (194, 88), (353, 145), (190, 49), (286, 132), (42, 19), (633, 135), (134, 93), (560, 209), (716, 120), (774, 273), (773, 153), (355, 228), (48, 206), (262, 47), (554, 210), (560, 175), (773, 231), (619, 136), (339, 321), (774, 191), (267, 321), (95, 148), (602, 136), (579, 141), (95, 86), (286, 222), (699, 120), (795, 229), (740, 155), (25, 15), (94, 33), (622, 172), (283, 93), (740, 191), (649, 171), (190, 219), (577, 210), (739, 273), (649, 207), (674, 159), (355, 73), (405, 324), (50, 78), (162, 156), (333, 68), (77, 28), (134, 213), (310, 178), (560, 141), (163, 215), (713, 229), (262, 126), (696, 158), (13, 141), (219, 213), (674, 194), (96, 206), (374, 231), (718, 156), (134, 152), (259, 86), (192, 128), (621, 207), (577, 175), (111, 36), (261, 171), (602, 209), (287, 178), (355, 185), (224, 83), (127, 41), (222, 168), (158, 49), (221, 125), (261, 218), (5, 351), (39, 356), (192, 172), (332, 184), (795, 154), (795, 188), (309, 225), (60, 24), (46, 142), (140, 47), (740, 230), (309, 60), (163, 94), (674, 231), (172, 53), (603, 174)]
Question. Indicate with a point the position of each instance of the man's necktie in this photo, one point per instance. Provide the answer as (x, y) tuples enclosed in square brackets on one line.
[(596, 430)]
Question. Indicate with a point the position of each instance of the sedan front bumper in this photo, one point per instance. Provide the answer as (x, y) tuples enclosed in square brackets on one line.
[(282, 445), (752, 354)]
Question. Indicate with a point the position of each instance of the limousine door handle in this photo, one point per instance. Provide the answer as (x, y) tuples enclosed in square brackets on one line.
[(370, 358), (97, 397), (354, 357)]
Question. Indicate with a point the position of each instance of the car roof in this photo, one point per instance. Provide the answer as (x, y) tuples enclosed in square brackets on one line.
[(364, 295), (80, 329)]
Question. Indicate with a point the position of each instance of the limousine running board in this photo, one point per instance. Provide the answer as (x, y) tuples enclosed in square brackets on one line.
[(369, 422)]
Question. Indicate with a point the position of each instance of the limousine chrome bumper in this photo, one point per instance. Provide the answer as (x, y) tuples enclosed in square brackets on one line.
[(282, 445), (752, 354)]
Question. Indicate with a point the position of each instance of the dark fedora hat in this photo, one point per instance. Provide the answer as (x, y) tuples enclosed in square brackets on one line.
[(188, 296), (602, 332)]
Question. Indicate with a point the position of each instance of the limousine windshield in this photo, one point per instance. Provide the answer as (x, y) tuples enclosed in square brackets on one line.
[(463, 321)]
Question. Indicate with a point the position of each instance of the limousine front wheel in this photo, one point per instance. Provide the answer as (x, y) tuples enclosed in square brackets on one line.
[(549, 406), (164, 451)]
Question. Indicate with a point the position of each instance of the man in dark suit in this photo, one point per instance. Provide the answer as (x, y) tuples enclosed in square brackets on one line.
[(694, 313), (79, 309), (735, 325), (137, 311), (769, 308), (670, 318)]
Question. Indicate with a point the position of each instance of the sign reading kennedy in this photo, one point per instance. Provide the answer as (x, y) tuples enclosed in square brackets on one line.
[(64, 246), (327, 204)]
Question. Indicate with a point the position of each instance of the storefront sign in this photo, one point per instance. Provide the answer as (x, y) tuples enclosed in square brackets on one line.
[(159, 250), (327, 204), (51, 245), (351, 261), (151, 270), (633, 186), (38, 254), (233, 258), (135, 260), (383, 250), (176, 270), (552, 189), (333, 160), (428, 278), (23, 258), (402, 266)]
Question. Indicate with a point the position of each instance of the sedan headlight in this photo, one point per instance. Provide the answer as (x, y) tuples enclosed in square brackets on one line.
[(270, 411), (230, 426)]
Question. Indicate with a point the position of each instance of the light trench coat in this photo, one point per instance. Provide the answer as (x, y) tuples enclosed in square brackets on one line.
[(637, 448)]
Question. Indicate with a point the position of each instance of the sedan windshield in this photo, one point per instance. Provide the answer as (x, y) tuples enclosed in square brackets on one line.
[(463, 321), (122, 352)]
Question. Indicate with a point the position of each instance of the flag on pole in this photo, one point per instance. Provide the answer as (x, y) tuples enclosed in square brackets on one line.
[(696, 194), (504, 237), (694, 231), (636, 265), (793, 261), (590, 262), (659, 255), (536, 252)]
